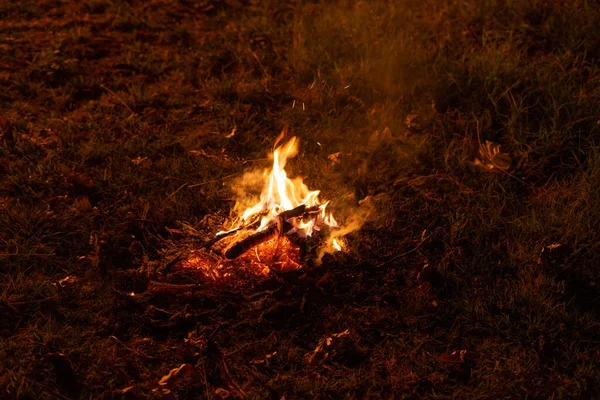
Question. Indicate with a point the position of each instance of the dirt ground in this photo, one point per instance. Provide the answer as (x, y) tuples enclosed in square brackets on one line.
[(472, 128)]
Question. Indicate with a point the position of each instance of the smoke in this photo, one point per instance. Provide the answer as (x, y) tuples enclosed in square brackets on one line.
[(246, 191), (354, 221)]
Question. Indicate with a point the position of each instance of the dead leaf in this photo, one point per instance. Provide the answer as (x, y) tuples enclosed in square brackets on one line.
[(456, 357), (326, 348), (142, 161), (425, 290), (377, 138), (82, 203), (230, 135), (491, 159), (409, 121), (125, 390), (77, 179), (66, 281), (264, 359), (222, 393), (3, 124), (555, 254), (176, 376), (334, 158)]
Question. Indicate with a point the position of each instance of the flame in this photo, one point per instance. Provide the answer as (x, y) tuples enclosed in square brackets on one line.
[(281, 193), (336, 245)]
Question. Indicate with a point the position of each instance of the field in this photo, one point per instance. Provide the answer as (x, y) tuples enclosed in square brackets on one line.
[(473, 127)]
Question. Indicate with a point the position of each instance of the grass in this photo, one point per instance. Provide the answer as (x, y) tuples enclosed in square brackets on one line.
[(115, 156)]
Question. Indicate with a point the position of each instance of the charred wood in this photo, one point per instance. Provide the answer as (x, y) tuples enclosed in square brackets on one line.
[(251, 241)]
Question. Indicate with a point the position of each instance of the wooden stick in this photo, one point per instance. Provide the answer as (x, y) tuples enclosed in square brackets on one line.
[(280, 228), (251, 241)]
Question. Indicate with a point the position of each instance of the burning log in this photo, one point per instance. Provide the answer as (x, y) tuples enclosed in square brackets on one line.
[(281, 228), (285, 206), (251, 241)]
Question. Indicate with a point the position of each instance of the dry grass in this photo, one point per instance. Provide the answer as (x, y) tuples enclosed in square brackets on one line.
[(115, 158)]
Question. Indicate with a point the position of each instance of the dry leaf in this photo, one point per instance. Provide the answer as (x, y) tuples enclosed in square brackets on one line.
[(264, 359), (124, 390), (222, 393), (82, 203), (64, 282), (76, 179), (378, 138), (491, 159), (176, 375), (3, 124), (456, 357), (335, 157), (409, 121), (231, 134), (326, 347), (142, 161)]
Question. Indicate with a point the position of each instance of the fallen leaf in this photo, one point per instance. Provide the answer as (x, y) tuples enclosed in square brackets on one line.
[(222, 393), (335, 157), (3, 124), (231, 134), (377, 138), (264, 359), (176, 375), (556, 253), (456, 357), (124, 390), (326, 348), (76, 179), (491, 159), (142, 161), (410, 120), (82, 203), (66, 281)]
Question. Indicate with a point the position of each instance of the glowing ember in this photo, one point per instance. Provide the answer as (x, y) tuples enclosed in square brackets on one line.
[(272, 235)]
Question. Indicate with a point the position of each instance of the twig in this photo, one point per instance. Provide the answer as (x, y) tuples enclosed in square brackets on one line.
[(251, 241), (213, 180), (242, 347), (120, 100), (178, 189), (36, 301), (404, 254)]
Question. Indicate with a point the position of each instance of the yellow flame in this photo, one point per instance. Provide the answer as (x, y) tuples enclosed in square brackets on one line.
[(337, 245), (281, 193)]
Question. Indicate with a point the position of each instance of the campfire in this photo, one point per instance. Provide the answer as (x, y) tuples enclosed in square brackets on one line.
[(286, 207), (275, 232)]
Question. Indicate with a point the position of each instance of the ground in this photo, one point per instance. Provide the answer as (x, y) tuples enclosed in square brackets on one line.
[(125, 127)]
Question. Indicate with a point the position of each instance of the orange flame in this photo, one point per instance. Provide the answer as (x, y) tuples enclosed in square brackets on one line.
[(281, 193)]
